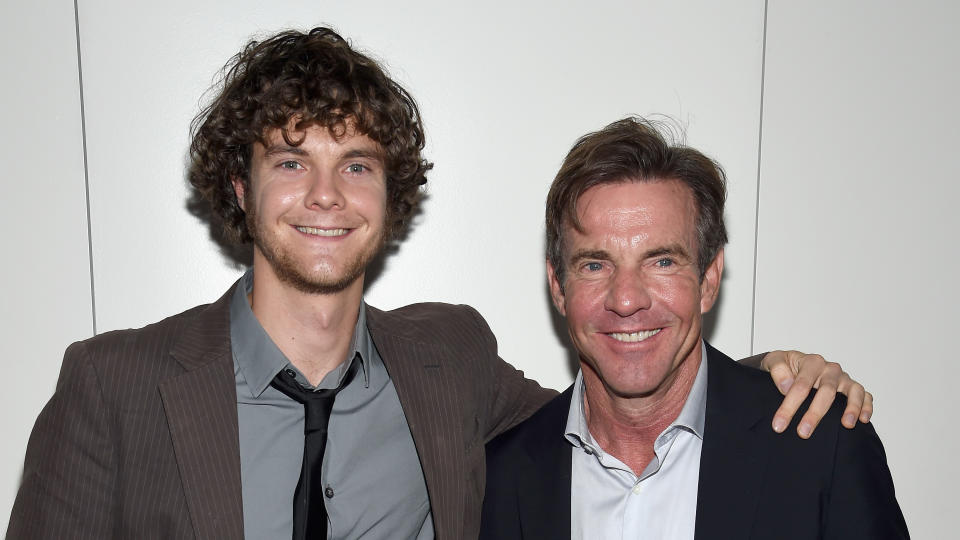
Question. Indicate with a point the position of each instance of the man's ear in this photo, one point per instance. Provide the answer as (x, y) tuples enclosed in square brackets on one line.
[(556, 290), (240, 191), (710, 284)]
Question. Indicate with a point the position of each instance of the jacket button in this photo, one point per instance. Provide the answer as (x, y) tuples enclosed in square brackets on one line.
[(328, 492)]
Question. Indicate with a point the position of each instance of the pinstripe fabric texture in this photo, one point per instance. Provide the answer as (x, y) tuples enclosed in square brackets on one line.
[(457, 395), (132, 443), (140, 439)]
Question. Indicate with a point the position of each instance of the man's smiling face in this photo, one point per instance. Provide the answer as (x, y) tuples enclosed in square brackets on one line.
[(632, 294), (316, 210)]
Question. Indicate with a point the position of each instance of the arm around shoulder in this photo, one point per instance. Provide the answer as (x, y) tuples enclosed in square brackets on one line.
[(513, 397), (69, 472)]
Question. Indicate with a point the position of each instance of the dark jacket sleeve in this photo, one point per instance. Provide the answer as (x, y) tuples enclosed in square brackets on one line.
[(862, 499), (69, 471)]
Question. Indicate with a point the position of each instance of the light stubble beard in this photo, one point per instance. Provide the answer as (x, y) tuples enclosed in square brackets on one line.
[(286, 268)]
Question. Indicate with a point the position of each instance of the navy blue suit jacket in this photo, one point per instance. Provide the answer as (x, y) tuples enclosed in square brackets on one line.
[(754, 483)]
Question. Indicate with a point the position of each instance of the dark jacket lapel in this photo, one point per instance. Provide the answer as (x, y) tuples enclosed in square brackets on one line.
[(734, 457), (201, 409), (544, 486)]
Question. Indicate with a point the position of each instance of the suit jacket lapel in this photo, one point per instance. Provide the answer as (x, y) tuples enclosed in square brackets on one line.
[(423, 387), (544, 485), (201, 409), (734, 459)]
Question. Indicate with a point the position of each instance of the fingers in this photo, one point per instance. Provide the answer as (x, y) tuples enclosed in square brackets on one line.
[(782, 367), (794, 374), (856, 395), (781, 374), (859, 401), (828, 376), (822, 400), (866, 412), (791, 403), (812, 371)]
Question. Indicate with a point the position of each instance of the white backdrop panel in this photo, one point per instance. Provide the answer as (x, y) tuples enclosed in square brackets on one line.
[(505, 89), (858, 221), (46, 266)]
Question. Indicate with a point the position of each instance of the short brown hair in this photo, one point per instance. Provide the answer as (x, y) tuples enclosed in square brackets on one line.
[(636, 150), (319, 79)]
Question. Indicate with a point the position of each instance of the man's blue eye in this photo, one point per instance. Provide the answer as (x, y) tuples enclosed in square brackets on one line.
[(290, 165), (356, 168), (593, 267), (664, 263)]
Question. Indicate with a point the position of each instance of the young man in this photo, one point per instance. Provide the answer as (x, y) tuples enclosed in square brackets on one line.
[(205, 424)]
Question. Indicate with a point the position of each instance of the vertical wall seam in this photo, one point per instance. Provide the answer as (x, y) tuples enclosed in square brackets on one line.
[(86, 173), (756, 213)]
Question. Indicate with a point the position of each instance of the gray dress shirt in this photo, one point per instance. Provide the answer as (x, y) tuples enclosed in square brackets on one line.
[(372, 477)]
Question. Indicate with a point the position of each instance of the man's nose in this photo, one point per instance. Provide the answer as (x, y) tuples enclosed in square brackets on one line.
[(627, 294), (326, 192)]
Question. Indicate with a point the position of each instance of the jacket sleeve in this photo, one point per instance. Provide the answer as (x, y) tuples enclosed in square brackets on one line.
[(862, 499), (752, 361), (69, 472), (512, 396)]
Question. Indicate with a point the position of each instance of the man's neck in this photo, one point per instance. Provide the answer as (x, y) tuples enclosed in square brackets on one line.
[(314, 331), (627, 428)]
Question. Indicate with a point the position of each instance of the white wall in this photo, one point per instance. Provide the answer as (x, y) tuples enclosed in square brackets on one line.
[(504, 89), (857, 252), (503, 98), (45, 270)]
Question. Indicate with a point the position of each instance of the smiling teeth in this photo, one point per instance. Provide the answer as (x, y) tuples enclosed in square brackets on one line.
[(633, 337), (322, 232)]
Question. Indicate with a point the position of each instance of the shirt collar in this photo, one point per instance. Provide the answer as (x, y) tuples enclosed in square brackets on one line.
[(691, 417), (259, 358), (694, 410)]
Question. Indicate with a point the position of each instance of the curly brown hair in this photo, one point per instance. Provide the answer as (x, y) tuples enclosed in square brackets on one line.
[(319, 79)]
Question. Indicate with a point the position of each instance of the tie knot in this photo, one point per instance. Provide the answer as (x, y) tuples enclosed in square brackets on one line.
[(317, 404)]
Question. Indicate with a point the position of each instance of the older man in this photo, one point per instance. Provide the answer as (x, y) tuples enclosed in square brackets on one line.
[(662, 436)]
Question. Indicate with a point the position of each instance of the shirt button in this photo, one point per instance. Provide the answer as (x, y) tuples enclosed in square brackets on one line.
[(328, 492), (636, 489), (291, 373)]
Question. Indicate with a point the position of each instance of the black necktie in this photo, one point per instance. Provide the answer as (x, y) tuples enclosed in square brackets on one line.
[(309, 513)]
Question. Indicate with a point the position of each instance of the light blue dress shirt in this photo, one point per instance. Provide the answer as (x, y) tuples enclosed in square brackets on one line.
[(608, 501)]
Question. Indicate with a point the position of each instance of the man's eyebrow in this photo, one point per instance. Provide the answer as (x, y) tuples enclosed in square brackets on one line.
[(356, 153), (367, 153), (276, 149), (589, 254), (671, 249)]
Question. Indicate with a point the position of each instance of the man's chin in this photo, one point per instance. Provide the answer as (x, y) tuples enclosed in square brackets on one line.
[(642, 379), (324, 284), (315, 277), (637, 390)]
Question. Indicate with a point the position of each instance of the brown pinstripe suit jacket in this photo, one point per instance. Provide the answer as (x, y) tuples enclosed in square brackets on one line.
[(140, 439)]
